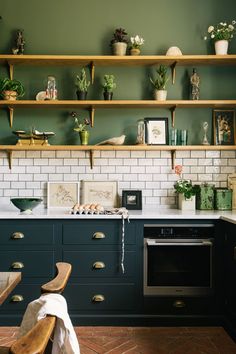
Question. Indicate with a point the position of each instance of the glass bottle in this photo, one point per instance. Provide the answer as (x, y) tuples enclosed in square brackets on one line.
[(141, 132), (51, 90)]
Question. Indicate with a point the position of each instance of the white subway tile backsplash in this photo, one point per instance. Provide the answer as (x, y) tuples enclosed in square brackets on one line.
[(123, 154), (153, 154), (189, 162), (48, 154), (212, 154), (137, 185), (18, 185), (228, 154), (32, 185), (108, 154), (213, 169), (11, 177), (48, 169), (198, 153), (100, 177), (232, 162), (139, 154), (63, 154), (33, 154), (205, 162)]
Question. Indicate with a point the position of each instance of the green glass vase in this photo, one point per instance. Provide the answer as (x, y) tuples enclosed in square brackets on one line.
[(84, 137)]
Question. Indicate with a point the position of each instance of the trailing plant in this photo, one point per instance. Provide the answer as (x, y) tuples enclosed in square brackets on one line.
[(81, 82), (11, 85), (120, 35), (109, 84), (162, 78)]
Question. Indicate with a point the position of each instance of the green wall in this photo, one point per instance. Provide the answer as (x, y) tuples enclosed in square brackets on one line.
[(76, 27)]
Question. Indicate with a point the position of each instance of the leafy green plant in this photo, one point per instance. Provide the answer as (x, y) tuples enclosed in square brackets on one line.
[(162, 78), (109, 83), (11, 85), (119, 36), (221, 31), (81, 82), (185, 187)]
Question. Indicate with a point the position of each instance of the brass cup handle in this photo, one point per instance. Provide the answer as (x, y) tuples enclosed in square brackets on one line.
[(17, 265), (179, 304), (98, 235), (98, 298), (17, 298), (17, 235), (98, 265)]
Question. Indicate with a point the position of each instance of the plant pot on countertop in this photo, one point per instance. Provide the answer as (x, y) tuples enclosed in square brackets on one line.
[(186, 204)]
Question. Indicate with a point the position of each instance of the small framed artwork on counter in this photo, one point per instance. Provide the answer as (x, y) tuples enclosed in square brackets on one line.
[(99, 192), (156, 131), (224, 127), (62, 194), (132, 200)]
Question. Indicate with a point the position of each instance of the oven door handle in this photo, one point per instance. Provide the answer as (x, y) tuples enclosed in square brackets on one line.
[(197, 243)]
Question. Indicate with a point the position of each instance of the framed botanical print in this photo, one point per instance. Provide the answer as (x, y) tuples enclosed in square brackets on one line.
[(62, 194), (156, 131), (224, 127), (100, 192)]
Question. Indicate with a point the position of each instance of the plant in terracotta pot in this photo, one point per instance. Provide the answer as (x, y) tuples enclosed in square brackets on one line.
[(136, 43), (221, 34), (108, 86), (119, 42), (160, 82), (185, 190), (81, 128), (82, 85), (11, 89)]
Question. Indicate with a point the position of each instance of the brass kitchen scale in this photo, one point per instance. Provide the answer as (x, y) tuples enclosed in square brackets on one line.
[(33, 138)]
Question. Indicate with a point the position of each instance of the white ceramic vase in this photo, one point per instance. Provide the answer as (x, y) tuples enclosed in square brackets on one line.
[(160, 95), (221, 47), (119, 48), (186, 204)]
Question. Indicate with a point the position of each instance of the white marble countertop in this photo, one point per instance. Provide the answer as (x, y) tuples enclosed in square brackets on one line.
[(13, 213)]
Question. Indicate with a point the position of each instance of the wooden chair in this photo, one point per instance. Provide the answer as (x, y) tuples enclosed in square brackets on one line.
[(37, 340)]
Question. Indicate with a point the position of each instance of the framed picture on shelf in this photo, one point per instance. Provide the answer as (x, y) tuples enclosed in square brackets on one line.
[(132, 200), (156, 131), (224, 127), (99, 192), (62, 194)]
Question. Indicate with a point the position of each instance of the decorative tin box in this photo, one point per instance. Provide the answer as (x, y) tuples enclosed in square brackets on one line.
[(223, 199), (205, 196)]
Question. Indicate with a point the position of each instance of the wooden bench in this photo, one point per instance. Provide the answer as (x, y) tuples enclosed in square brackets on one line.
[(37, 340)]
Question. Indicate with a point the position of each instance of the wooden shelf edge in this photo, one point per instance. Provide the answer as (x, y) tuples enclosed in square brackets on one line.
[(116, 148)]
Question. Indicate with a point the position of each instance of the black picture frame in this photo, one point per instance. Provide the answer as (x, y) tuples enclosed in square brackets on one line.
[(132, 199), (156, 131), (224, 126)]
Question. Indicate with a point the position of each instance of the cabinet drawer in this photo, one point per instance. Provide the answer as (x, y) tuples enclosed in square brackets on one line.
[(30, 263), (23, 294), (25, 234), (97, 232), (99, 263), (112, 296)]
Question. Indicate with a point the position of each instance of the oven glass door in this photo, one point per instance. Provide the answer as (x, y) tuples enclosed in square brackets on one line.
[(178, 266)]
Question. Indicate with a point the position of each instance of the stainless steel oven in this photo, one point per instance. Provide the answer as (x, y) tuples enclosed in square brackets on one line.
[(178, 259)]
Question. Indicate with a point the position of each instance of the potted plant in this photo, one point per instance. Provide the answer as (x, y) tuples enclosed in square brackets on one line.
[(136, 43), (119, 42), (221, 34), (108, 86), (11, 89), (82, 85), (160, 83), (185, 190), (81, 128)]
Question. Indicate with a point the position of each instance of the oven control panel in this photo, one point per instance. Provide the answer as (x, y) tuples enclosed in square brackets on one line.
[(179, 231)]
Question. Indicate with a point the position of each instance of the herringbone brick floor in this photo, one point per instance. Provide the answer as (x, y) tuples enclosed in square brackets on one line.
[(145, 340)]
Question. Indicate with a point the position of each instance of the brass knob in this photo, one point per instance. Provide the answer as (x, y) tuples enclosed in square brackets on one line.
[(17, 235), (98, 298), (17, 298), (98, 235), (179, 304), (98, 265), (17, 265)]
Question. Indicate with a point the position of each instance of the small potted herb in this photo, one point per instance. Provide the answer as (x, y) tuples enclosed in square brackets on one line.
[(108, 86), (185, 190), (119, 42), (82, 85), (81, 128), (11, 89), (160, 82)]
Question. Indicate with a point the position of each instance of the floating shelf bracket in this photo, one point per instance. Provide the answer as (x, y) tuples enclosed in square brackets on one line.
[(11, 70), (91, 158), (92, 111), (173, 109), (173, 154), (9, 154), (92, 71), (11, 111), (173, 71)]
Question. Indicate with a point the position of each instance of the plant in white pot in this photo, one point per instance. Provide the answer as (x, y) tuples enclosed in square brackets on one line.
[(221, 34), (160, 82), (186, 191), (119, 42), (108, 86)]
